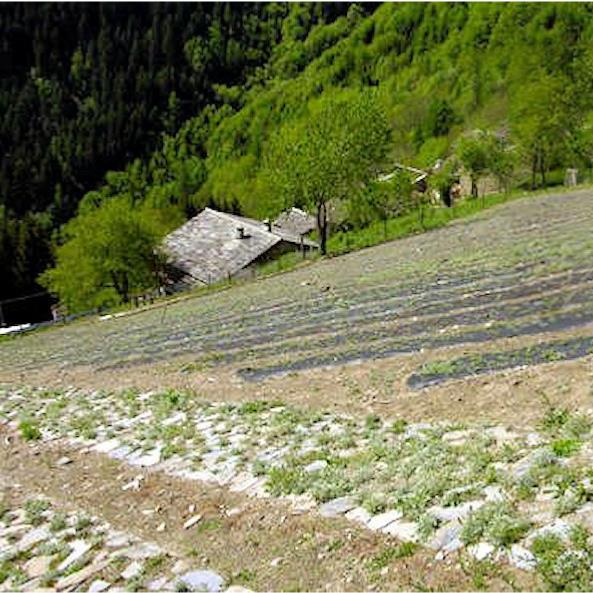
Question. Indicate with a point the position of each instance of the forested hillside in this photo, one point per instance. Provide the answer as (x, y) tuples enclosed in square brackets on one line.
[(87, 88), (188, 103)]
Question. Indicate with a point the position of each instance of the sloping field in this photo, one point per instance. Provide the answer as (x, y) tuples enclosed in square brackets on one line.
[(415, 415)]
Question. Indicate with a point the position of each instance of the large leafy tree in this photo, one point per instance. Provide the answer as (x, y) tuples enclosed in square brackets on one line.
[(329, 154), (109, 252)]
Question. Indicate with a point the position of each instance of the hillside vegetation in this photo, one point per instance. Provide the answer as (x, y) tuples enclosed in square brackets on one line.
[(432, 72)]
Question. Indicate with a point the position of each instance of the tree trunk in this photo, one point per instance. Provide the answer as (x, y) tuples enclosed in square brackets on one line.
[(322, 226), (474, 190), (542, 169), (533, 170)]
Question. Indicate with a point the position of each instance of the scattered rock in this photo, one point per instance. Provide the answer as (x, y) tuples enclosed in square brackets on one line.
[(98, 586), (132, 570), (63, 461), (157, 584), (32, 538), (406, 531), (481, 550), (142, 551), (315, 466), (203, 580), (446, 514), (445, 535), (276, 561), (133, 484), (384, 519), (79, 577), (79, 549), (521, 557), (180, 566), (37, 566), (151, 458), (117, 540), (457, 437), (494, 494), (336, 507), (558, 527), (161, 527), (359, 515), (192, 521)]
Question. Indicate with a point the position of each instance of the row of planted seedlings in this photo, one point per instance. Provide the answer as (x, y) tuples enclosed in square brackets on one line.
[(300, 311), (377, 343), (439, 371), (192, 332), (445, 486), (354, 348), (466, 311)]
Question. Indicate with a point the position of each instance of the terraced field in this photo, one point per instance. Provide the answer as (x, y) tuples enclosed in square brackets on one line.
[(419, 408)]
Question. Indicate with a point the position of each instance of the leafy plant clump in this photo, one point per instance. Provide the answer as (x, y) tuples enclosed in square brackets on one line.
[(497, 523), (29, 430), (565, 566)]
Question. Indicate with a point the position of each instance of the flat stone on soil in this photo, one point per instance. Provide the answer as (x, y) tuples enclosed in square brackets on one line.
[(204, 580), (458, 512), (37, 566), (384, 519), (192, 521), (559, 527), (481, 550), (315, 466), (117, 540), (132, 570), (336, 507), (359, 515), (79, 549), (445, 535), (32, 538), (76, 578), (98, 586), (406, 531), (521, 557), (142, 551)]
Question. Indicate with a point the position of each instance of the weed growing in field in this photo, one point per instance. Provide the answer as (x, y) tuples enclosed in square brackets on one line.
[(29, 430), (392, 553), (497, 523), (565, 566), (34, 509)]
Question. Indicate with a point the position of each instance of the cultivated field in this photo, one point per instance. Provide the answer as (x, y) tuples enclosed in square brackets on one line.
[(415, 415)]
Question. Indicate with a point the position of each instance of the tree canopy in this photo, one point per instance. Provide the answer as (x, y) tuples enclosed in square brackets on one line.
[(182, 105)]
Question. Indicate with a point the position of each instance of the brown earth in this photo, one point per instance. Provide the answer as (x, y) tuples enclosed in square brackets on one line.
[(315, 553)]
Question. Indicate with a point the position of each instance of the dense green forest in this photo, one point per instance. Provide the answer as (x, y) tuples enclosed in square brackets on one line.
[(171, 107)]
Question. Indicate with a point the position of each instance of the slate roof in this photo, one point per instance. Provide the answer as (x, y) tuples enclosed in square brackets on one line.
[(208, 249), (296, 221)]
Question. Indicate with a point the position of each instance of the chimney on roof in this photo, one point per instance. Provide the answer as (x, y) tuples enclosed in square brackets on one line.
[(240, 232)]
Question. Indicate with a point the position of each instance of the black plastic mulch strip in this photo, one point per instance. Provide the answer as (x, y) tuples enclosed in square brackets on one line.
[(469, 366)]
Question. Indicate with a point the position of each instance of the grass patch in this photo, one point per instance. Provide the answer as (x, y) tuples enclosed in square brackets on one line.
[(565, 447), (412, 223), (388, 555)]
